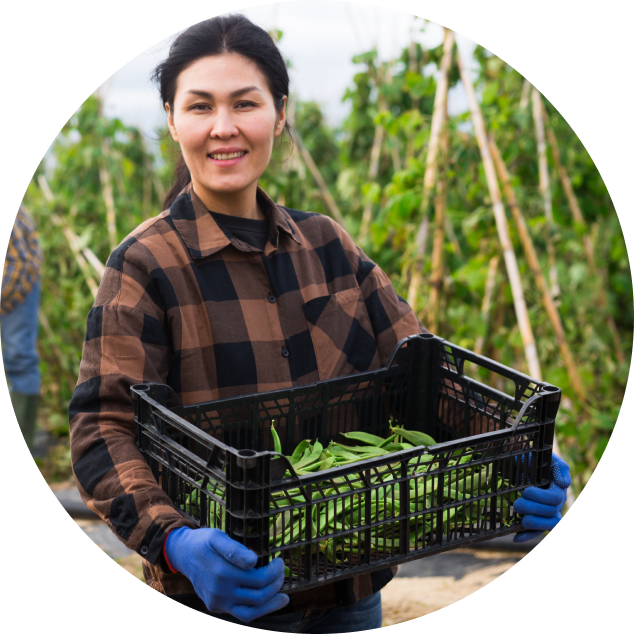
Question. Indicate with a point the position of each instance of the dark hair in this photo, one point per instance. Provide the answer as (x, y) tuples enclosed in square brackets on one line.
[(222, 34)]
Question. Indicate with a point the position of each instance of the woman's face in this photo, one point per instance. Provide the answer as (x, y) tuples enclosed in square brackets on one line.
[(225, 121)]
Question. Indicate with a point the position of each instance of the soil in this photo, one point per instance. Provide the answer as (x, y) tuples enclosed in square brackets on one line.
[(406, 598)]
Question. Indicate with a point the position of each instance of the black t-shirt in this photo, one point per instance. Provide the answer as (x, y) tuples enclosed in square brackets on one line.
[(254, 232)]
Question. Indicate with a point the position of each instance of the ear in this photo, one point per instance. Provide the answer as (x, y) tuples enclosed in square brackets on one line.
[(170, 123), (281, 120)]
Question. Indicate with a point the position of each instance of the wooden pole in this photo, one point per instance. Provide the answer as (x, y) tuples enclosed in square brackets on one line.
[(95, 262), (73, 241), (486, 302), (375, 155), (587, 242), (533, 262), (106, 190), (437, 264), (530, 350), (526, 89), (438, 116), (308, 160), (544, 187)]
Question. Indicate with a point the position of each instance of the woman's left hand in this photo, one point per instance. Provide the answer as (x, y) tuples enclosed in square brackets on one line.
[(542, 507)]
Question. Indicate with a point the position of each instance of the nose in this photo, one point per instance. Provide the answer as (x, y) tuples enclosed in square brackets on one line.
[(224, 126)]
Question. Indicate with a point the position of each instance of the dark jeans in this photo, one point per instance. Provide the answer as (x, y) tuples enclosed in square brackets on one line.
[(363, 615)]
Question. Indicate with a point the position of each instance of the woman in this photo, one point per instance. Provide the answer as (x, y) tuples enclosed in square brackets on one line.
[(224, 293)]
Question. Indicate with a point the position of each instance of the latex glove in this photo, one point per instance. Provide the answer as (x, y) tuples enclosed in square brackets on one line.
[(223, 574), (542, 507)]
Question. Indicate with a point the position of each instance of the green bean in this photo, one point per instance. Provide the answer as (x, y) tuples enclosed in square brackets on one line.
[(277, 445), (312, 456), (299, 451), (387, 441), (369, 439), (415, 437), (370, 451), (431, 482)]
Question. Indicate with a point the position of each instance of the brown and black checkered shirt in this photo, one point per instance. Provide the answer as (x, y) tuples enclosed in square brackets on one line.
[(184, 302)]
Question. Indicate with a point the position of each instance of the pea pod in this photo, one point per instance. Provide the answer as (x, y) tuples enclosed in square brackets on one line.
[(299, 451), (387, 441), (361, 436), (369, 451), (415, 437), (313, 456), (277, 445)]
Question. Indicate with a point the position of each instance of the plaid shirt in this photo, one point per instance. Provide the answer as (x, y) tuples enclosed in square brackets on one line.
[(183, 302), (22, 264)]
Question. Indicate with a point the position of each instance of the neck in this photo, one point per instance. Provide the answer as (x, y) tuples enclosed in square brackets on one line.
[(242, 204)]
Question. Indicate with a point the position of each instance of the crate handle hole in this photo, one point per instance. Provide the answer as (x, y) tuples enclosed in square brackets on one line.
[(247, 458)]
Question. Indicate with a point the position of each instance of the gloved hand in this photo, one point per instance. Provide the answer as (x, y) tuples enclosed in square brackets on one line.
[(542, 507), (223, 574)]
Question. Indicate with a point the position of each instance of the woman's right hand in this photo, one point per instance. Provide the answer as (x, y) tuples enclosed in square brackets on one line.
[(223, 574)]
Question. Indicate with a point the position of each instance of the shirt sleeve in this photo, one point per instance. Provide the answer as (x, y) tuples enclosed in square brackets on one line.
[(391, 316), (126, 343)]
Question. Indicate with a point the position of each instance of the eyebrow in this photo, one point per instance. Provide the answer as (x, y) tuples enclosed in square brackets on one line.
[(235, 93)]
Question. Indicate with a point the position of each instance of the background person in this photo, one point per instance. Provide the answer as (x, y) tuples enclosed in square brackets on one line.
[(19, 307), (225, 293)]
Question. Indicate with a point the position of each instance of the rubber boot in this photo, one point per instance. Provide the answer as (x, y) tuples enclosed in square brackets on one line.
[(25, 406)]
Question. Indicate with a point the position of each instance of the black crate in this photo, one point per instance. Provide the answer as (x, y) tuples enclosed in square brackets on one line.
[(216, 461)]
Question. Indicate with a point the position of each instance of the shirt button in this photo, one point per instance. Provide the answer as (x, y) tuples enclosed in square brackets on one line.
[(285, 352), (272, 298)]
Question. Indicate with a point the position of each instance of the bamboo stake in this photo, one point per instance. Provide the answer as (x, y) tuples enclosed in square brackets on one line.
[(83, 265), (95, 262), (375, 155), (526, 89), (437, 263), (73, 241), (330, 201), (486, 302), (438, 116), (544, 187), (587, 241), (106, 189), (530, 350), (531, 256)]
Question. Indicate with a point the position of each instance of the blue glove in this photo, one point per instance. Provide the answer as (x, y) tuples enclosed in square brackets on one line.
[(223, 574), (542, 507)]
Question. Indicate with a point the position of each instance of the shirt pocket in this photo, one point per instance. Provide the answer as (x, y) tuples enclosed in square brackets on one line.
[(342, 334)]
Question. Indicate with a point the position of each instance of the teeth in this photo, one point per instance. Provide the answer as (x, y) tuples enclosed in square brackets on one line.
[(224, 157)]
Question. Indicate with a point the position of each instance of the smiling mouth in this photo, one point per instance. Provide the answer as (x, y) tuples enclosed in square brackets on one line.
[(226, 157)]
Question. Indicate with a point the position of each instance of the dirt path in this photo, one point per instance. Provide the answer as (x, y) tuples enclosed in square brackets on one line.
[(406, 598)]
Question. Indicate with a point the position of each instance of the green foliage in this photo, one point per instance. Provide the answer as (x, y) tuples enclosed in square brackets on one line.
[(89, 140), (399, 97)]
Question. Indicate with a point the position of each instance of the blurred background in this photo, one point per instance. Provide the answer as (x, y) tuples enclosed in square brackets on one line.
[(361, 104)]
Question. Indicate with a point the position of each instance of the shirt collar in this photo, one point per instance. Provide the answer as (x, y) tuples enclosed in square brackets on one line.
[(204, 236)]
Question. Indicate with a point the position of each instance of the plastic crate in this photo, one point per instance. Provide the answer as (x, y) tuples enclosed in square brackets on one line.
[(216, 461)]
